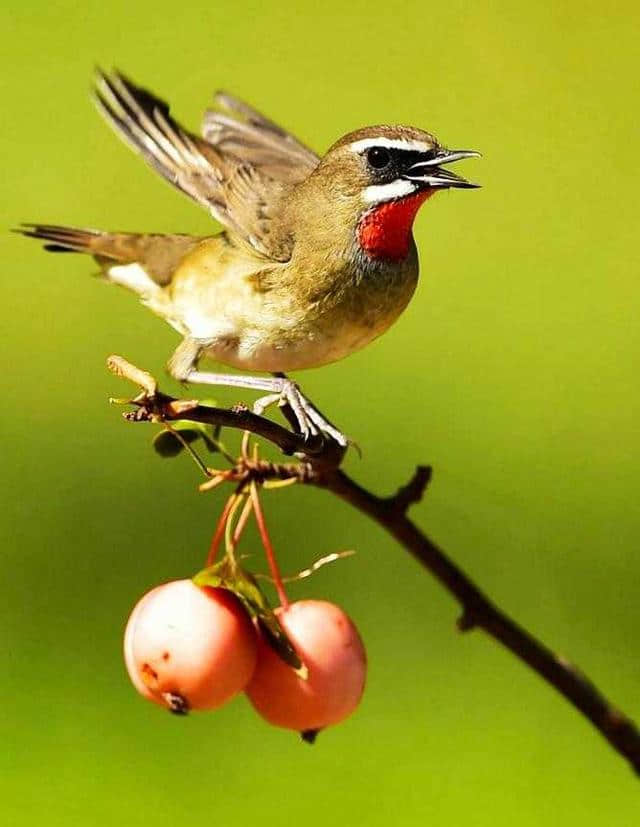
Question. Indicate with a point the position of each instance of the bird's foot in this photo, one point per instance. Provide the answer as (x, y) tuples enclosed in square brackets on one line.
[(280, 390), (308, 418)]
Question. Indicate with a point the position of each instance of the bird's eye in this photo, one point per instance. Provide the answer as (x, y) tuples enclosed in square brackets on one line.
[(378, 157)]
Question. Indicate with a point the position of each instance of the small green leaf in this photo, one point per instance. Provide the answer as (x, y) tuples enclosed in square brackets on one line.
[(166, 444), (185, 426), (214, 576), (251, 594), (209, 433), (245, 587)]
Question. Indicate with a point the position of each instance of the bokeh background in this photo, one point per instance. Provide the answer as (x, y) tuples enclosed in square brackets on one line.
[(514, 372)]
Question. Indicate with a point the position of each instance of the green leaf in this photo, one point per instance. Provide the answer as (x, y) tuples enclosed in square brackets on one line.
[(218, 576), (186, 426), (223, 575), (206, 577), (168, 445), (209, 433)]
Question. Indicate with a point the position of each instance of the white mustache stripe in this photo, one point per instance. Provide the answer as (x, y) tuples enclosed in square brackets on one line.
[(391, 143), (378, 193)]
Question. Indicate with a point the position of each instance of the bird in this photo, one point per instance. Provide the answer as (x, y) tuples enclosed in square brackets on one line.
[(316, 257)]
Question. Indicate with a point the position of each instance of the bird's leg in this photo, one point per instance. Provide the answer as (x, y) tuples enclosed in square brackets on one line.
[(185, 358), (278, 389)]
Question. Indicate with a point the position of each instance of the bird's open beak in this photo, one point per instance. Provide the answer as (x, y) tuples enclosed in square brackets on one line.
[(429, 171)]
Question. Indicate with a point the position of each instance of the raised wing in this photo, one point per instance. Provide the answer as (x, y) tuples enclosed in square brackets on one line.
[(244, 196), (237, 130)]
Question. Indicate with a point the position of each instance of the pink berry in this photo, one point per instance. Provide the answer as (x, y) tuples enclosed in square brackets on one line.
[(330, 647), (187, 647)]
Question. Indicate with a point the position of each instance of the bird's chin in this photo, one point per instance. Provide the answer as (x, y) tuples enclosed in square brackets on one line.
[(384, 231)]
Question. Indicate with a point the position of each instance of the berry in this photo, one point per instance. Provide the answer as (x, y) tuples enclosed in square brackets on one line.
[(330, 647), (187, 647)]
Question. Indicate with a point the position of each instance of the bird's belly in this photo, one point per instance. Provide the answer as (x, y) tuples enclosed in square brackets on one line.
[(303, 346), (250, 353)]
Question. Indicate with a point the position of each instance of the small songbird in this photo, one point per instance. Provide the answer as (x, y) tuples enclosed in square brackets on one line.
[(317, 257)]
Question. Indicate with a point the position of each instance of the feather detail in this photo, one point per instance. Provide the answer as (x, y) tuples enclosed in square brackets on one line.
[(244, 191), (238, 130), (159, 255)]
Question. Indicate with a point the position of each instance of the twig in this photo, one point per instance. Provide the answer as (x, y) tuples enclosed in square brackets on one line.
[(320, 466), (158, 407)]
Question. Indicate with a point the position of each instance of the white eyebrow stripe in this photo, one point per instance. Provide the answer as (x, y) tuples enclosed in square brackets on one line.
[(378, 193), (391, 143)]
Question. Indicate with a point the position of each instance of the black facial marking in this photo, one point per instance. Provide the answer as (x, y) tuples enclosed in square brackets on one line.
[(387, 164)]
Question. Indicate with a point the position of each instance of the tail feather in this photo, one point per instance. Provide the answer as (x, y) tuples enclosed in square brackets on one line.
[(158, 254), (67, 239)]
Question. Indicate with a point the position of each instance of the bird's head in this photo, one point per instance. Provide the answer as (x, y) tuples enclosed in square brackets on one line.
[(381, 175)]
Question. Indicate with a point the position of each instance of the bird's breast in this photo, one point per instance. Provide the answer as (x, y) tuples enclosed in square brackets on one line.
[(332, 319), (304, 314)]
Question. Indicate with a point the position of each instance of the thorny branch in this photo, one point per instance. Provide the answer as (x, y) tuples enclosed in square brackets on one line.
[(318, 464)]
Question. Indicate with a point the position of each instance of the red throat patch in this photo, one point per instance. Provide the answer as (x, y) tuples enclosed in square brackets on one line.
[(384, 231)]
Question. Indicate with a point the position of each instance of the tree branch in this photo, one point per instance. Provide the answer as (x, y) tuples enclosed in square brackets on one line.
[(319, 465), (477, 610)]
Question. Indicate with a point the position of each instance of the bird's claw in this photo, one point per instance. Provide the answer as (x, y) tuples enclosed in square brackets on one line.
[(308, 418)]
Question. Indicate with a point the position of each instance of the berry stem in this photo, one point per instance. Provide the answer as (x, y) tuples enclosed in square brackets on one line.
[(229, 530), (218, 534), (268, 547), (242, 522)]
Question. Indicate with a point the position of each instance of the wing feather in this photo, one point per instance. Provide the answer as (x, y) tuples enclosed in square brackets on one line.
[(243, 193), (239, 130)]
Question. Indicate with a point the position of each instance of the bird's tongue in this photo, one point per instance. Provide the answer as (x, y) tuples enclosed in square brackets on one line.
[(385, 230)]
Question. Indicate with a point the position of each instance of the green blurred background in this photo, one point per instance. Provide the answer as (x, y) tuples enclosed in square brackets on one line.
[(514, 372)]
